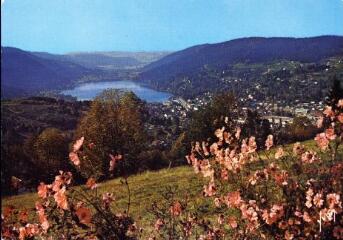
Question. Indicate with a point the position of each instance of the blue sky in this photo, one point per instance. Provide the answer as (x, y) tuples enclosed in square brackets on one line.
[(60, 26)]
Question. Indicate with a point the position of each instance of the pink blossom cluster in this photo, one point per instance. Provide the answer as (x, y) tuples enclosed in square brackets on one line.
[(275, 195)]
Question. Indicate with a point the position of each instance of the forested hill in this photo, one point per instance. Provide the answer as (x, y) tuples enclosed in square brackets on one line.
[(255, 66), (245, 50), (22, 71)]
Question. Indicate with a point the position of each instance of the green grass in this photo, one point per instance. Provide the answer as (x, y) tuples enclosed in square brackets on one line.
[(145, 189), (148, 187)]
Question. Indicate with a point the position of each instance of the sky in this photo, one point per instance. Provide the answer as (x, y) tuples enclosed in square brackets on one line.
[(60, 26)]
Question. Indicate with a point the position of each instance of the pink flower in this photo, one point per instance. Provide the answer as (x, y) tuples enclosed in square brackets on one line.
[(298, 214), (281, 178), (318, 200), (220, 133), (333, 199), (289, 235), (84, 215), (214, 148), (328, 112), (176, 208), (307, 217), (78, 144), (252, 145), (279, 153), (107, 199), (224, 174), (91, 183), (91, 145), (330, 134), (206, 169), (209, 190), (298, 149), (61, 199), (283, 225), (257, 176), (217, 202), (309, 194), (113, 161), (159, 224), (253, 180), (322, 141), (250, 213), (42, 217), (57, 184), (275, 213), (269, 142), (32, 229), (22, 233), (309, 157), (227, 137), (244, 147), (204, 149), (238, 132), (197, 147), (320, 122), (42, 190), (74, 158), (63, 178), (232, 222), (340, 103), (233, 199)]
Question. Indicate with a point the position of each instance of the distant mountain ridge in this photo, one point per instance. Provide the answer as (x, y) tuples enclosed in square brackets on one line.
[(244, 50), (106, 60), (26, 73), (191, 71)]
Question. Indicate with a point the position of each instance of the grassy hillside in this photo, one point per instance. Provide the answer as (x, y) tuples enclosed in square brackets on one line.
[(148, 187), (145, 189)]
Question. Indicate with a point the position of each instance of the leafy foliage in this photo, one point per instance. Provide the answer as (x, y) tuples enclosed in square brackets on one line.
[(50, 149), (113, 125), (222, 110)]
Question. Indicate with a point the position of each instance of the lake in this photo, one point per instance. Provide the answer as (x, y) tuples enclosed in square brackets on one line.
[(88, 91)]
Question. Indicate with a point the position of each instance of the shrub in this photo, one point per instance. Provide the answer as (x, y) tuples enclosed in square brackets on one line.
[(71, 213), (50, 149), (280, 193)]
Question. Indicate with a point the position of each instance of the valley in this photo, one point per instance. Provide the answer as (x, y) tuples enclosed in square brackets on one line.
[(178, 120)]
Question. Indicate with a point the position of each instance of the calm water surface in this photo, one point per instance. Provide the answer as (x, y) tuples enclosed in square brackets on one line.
[(88, 91)]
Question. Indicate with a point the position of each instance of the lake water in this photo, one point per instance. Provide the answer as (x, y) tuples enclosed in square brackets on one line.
[(88, 91)]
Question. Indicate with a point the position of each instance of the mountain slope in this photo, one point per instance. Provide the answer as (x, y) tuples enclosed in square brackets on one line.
[(106, 60), (246, 50), (23, 71), (26, 73)]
